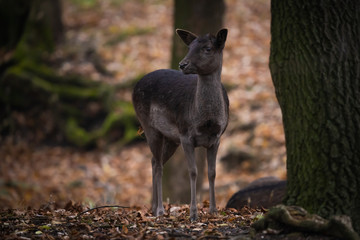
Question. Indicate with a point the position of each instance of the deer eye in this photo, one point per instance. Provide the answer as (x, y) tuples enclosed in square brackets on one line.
[(207, 49)]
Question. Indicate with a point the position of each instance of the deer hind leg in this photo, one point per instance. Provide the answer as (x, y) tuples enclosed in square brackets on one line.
[(168, 149), (189, 151), (162, 150), (155, 141)]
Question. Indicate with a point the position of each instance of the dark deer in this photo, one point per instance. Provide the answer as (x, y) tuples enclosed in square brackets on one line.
[(190, 108)]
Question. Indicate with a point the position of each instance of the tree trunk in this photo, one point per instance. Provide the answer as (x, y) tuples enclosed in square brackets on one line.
[(314, 63), (199, 17), (13, 17)]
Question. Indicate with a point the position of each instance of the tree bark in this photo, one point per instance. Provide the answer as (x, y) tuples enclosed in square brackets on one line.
[(315, 68), (199, 17), (13, 17)]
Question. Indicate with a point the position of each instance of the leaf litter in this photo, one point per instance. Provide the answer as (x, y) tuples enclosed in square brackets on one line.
[(116, 222)]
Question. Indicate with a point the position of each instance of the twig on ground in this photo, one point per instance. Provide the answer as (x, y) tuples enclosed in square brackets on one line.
[(95, 208)]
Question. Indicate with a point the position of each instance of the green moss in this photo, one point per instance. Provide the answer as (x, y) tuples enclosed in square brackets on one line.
[(85, 3), (76, 134), (44, 78), (68, 96), (124, 118)]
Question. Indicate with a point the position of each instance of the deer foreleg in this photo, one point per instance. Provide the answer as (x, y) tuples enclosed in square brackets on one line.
[(211, 159)]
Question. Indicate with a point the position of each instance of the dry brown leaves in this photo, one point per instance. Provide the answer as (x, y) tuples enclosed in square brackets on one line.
[(73, 222)]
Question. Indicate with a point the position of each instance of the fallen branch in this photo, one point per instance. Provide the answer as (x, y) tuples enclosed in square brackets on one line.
[(95, 208)]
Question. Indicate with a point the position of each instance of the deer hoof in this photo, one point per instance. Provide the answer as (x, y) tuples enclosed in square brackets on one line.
[(193, 215), (213, 210), (193, 218), (160, 212)]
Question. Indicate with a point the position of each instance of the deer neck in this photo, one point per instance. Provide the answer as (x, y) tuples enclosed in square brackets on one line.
[(209, 96)]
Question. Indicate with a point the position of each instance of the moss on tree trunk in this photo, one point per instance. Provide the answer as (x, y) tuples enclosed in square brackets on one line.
[(315, 68)]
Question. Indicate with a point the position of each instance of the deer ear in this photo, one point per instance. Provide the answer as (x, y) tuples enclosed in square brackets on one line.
[(221, 38), (186, 36)]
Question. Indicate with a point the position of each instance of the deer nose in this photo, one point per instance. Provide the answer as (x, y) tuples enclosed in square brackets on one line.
[(183, 64)]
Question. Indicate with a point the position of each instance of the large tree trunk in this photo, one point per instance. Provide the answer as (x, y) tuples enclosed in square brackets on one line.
[(314, 63), (199, 17)]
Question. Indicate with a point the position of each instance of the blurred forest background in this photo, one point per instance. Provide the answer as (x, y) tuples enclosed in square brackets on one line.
[(67, 127)]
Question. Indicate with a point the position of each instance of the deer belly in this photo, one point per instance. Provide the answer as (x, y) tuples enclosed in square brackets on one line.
[(160, 121)]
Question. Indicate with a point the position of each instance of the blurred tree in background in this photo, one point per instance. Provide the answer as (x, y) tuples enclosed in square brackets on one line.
[(200, 17), (39, 105), (315, 67)]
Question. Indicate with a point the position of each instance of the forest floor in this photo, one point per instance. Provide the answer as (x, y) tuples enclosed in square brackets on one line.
[(118, 222), (114, 41)]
